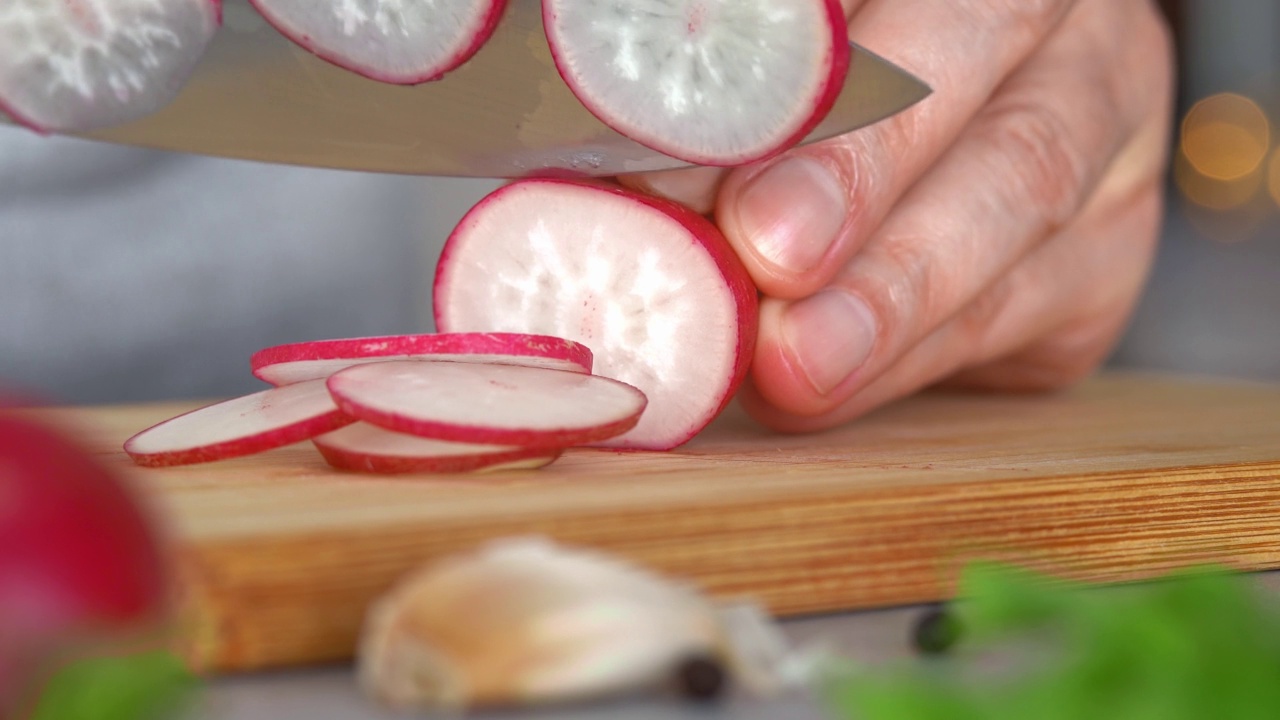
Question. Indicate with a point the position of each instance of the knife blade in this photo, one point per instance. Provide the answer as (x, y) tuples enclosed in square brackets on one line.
[(506, 113)]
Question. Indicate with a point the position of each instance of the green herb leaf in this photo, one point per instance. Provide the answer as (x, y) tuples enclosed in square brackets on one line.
[(146, 686)]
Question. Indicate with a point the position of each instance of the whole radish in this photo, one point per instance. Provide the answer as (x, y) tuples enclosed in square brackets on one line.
[(79, 557)]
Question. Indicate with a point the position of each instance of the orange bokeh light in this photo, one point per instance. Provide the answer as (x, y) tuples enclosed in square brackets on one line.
[(1225, 137)]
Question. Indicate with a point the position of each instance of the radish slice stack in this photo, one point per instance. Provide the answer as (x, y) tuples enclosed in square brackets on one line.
[(429, 404), (404, 42)]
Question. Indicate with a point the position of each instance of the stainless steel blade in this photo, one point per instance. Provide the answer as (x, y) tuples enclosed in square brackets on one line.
[(506, 113)]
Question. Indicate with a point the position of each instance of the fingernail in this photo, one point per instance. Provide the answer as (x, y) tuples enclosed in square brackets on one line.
[(792, 212), (829, 336)]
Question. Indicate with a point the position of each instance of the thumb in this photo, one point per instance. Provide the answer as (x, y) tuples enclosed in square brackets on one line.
[(695, 188)]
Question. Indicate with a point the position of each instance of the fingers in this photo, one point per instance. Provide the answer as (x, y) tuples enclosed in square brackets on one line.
[(797, 220), (1045, 325), (695, 188), (1020, 172)]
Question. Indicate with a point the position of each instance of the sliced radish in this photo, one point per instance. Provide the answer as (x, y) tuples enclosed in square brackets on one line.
[(79, 65), (367, 448), (712, 82), (490, 404), (405, 42), (243, 426), (299, 362), (653, 288)]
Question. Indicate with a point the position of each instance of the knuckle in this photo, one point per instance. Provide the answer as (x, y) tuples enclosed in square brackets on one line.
[(1029, 17), (1042, 168)]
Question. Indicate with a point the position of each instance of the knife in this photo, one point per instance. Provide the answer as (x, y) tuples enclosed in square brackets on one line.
[(506, 113)]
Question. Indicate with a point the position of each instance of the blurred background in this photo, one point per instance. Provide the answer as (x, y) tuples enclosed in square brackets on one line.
[(129, 275)]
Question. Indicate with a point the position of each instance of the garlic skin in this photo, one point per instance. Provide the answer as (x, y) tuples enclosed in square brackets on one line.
[(524, 622)]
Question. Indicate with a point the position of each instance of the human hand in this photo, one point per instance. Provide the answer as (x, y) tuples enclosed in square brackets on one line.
[(995, 236)]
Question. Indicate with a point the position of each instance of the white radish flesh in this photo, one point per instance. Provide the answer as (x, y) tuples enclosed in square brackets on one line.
[(489, 404), (653, 288), (404, 42), (712, 82), (367, 448), (81, 65), (243, 426), (299, 362)]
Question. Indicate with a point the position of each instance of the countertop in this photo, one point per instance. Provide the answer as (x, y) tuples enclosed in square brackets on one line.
[(870, 637)]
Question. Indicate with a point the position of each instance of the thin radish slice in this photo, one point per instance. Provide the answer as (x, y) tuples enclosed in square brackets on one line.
[(299, 362), (653, 288), (404, 42), (80, 65), (243, 426), (712, 82), (488, 404), (367, 448)]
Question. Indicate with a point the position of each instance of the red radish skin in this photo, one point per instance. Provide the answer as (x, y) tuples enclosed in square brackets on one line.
[(299, 362), (77, 65), (710, 82), (243, 426), (488, 404), (367, 448), (80, 557), (401, 42), (652, 287)]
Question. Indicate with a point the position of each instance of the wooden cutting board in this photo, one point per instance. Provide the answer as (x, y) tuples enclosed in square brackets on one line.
[(1121, 478)]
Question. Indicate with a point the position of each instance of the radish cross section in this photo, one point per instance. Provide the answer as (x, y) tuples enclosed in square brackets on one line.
[(712, 82), (489, 404), (367, 448), (404, 42), (81, 65), (651, 287), (299, 362), (243, 426)]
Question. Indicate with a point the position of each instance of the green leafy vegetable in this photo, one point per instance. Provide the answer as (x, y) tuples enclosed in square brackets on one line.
[(145, 686), (1200, 644)]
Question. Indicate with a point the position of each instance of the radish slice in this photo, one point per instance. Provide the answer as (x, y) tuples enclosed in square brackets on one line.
[(243, 426), (653, 288), (711, 82), (80, 65), (367, 448), (299, 362), (490, 404), (404, 42)]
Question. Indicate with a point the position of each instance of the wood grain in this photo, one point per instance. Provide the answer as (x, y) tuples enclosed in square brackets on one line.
[(1122, 478)]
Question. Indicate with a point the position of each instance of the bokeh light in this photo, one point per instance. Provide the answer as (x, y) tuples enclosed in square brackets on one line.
[(1211, 192), (1226, 136)]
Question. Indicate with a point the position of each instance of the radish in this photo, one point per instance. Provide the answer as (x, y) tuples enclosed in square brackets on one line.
[(367, 448), (298, 362), (242, 426), (651, 287), (80, 65), (404, 42), (79, 556), (711, 82), (490, 404)]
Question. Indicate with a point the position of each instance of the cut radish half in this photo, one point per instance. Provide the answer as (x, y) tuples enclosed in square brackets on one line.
[(80, 65), (490, 404), (243, 426), (651, 287), (299, 362), (404, 42), (711, 82), (367, 448)]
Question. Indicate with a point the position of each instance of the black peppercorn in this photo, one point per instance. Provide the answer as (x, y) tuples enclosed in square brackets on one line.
[(936, 631), (700, 677)]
